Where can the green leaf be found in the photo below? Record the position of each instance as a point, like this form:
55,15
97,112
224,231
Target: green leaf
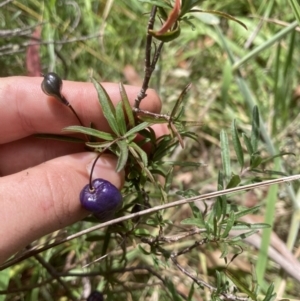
220,181
243,235
255,129
90,132
123,155
248,144
296,9
183,163
142,154
221,14
168,180
255,161
127,106
246,226
171,288
179,102
227,79
270,295
225,154
229,224
187,5
193,222
137,128
168,36
107,106
276,156
191,292
143,250
246,212
120,118
241,286
224,249
234,181
141,232
237,144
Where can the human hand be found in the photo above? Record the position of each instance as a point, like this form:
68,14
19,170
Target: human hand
41,179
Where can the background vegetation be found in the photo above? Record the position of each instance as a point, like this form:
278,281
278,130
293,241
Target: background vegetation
231,69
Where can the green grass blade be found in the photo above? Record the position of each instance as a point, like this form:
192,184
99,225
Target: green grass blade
296,9
277,37
225,153
227,80
265,242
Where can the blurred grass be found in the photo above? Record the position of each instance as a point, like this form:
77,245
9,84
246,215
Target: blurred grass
230,68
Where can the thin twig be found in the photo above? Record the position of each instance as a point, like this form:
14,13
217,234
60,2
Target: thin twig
200,282
148,66
53,273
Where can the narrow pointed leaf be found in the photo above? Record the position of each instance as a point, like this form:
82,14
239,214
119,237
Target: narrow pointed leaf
246,212
255,161
255,128
220,181
137,128
248,144
120,118
234,181
90,132
243,235
123,155
142,154
241,286
107,106
227,79
180,100
276,156
219,13
230,222
127,106
225,154
237,144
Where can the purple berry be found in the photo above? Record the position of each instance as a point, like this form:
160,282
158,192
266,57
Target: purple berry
104,200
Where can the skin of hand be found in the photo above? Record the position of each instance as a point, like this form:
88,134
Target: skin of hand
41,178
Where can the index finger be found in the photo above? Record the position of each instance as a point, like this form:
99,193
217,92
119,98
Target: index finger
26,110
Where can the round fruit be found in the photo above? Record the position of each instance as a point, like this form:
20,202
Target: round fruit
103,200
52,84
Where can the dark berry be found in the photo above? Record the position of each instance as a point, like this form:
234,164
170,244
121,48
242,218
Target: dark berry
103,200
52,85
95,296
